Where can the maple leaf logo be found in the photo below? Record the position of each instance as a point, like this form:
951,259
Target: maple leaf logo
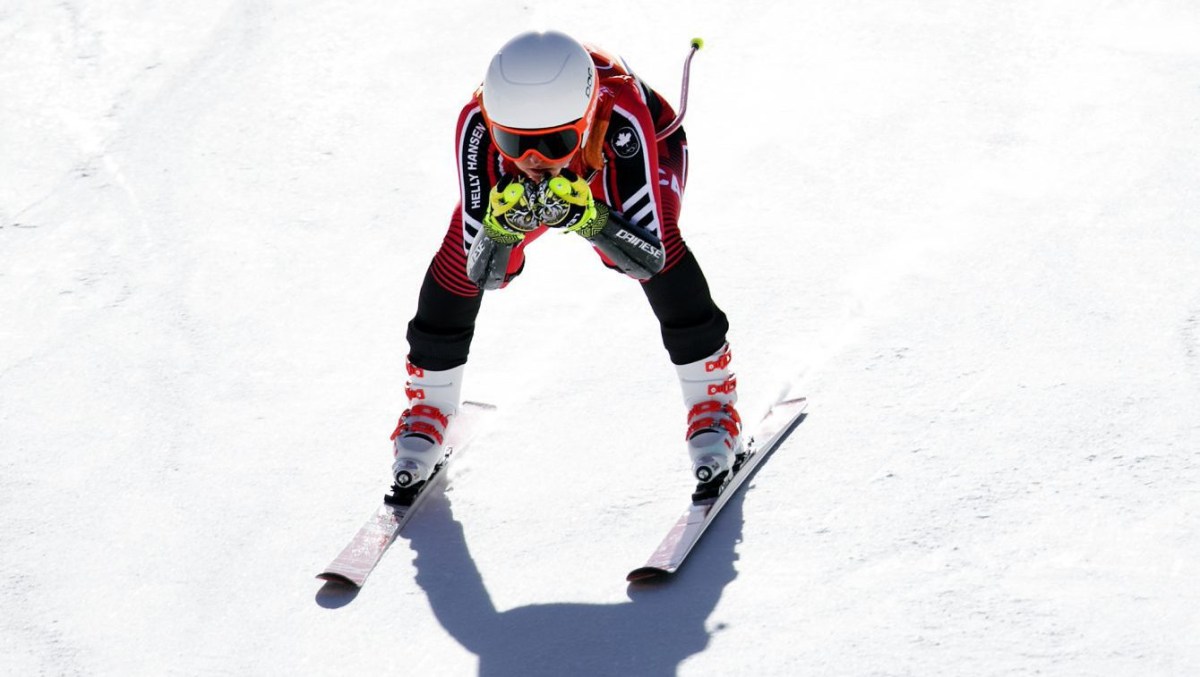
625,143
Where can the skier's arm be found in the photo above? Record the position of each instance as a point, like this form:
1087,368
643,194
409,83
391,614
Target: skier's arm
633,249
487,263
509,216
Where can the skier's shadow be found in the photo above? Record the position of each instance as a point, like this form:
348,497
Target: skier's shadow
661,625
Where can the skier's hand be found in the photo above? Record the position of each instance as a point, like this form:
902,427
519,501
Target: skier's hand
510,211
565,201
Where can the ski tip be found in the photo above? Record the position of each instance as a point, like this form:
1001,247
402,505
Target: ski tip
332,577
647,575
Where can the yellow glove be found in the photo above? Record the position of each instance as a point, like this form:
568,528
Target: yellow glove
510,211
565,201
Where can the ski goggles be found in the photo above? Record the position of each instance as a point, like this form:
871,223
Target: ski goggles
554,144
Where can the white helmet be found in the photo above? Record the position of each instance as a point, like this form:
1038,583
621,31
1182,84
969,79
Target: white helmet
539,80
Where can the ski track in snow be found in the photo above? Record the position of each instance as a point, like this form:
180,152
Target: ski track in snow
966,233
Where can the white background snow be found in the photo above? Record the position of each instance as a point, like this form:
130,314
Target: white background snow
968,232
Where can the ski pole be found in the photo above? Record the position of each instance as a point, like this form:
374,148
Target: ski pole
697,43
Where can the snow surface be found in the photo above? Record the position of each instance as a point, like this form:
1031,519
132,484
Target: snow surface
968,232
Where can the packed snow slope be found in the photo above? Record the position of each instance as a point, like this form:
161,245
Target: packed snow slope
968,232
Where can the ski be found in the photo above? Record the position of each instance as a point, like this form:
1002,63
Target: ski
359,557
778,423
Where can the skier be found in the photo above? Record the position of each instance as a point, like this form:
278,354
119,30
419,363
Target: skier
562,135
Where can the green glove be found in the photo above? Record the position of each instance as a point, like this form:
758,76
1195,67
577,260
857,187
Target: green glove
565,201
510,211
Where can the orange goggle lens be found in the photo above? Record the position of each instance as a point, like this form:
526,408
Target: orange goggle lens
552,145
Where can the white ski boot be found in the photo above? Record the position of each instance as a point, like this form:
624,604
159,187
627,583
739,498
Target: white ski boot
714,434
420,436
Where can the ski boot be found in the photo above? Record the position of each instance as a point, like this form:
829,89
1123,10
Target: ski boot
420,436
714,433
